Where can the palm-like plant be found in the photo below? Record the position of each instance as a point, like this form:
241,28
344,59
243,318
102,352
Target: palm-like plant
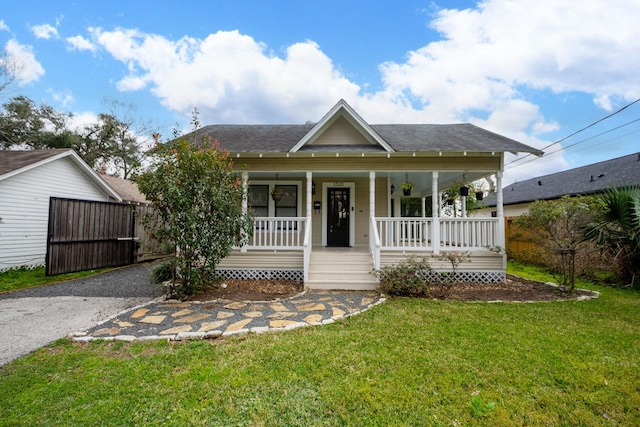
618,230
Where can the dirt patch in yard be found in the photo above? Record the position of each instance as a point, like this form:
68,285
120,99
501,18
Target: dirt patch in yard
515,289
249,290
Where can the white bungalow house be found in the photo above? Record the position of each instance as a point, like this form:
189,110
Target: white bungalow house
27,180
341,212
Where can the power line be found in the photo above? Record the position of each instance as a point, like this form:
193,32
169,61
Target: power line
583,141
578,131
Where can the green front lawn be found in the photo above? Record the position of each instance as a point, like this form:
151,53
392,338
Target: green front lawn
404,363
13,280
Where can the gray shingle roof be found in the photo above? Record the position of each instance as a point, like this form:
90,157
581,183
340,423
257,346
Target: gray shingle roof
14,160
127,189
451,137
589,179
255,138
401,137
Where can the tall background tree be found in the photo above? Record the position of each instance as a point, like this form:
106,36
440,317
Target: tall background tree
115,143
25,125
8,70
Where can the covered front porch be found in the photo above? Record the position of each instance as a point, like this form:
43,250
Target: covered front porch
349,224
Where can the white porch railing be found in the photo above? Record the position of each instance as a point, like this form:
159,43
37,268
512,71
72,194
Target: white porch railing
374,243
278,233
404,233
306,243
468,233
455,233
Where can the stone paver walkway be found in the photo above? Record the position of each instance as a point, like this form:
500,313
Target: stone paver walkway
173,320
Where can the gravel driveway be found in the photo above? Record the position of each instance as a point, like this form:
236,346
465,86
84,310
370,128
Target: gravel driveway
34,317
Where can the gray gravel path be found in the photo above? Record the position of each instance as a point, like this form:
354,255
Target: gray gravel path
35,317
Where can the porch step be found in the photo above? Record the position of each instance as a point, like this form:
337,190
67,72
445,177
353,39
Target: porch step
341,270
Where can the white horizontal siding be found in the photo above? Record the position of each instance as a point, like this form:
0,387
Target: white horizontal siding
24,209
263,259
476,261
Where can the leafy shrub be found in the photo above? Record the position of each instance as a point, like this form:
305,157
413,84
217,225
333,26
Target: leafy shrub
411,277
163,272
558,226
197,212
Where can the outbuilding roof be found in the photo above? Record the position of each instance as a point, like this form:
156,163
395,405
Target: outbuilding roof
585,180
127,189
13,162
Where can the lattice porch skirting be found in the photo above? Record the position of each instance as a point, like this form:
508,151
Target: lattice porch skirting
261,274
472,276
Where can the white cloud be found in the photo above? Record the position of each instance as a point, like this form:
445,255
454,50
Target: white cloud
604,102
26,68
44,31
486,59
62,98
229,76
80,43
79,120
487,55
3,26
489,66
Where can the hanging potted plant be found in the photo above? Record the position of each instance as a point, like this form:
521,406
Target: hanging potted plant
449,196
464,190
479,194
406,186
276,193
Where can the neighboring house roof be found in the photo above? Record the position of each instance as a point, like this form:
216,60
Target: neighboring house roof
381,138
127,189
585,180
15,162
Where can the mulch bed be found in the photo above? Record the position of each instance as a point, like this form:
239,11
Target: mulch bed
515,289
249,290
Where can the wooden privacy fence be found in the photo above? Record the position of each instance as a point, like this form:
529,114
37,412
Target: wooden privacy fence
84,235
517,242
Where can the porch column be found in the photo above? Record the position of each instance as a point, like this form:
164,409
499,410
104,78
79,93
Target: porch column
435,209
309,197
372,193
245,200
309,245
500,211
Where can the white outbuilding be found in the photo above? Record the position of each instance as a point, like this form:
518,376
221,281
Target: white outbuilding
27,180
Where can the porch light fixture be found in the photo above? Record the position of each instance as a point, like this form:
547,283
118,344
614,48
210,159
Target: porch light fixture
313,187
393,188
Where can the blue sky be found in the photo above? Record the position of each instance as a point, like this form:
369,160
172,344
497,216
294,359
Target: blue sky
533,70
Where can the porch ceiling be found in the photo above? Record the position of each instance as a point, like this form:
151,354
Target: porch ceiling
421,180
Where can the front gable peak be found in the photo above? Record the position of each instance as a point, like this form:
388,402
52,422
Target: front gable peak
341,127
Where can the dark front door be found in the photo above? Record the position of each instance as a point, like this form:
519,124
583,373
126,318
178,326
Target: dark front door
338,217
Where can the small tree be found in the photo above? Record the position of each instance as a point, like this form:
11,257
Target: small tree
558,226
197,197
